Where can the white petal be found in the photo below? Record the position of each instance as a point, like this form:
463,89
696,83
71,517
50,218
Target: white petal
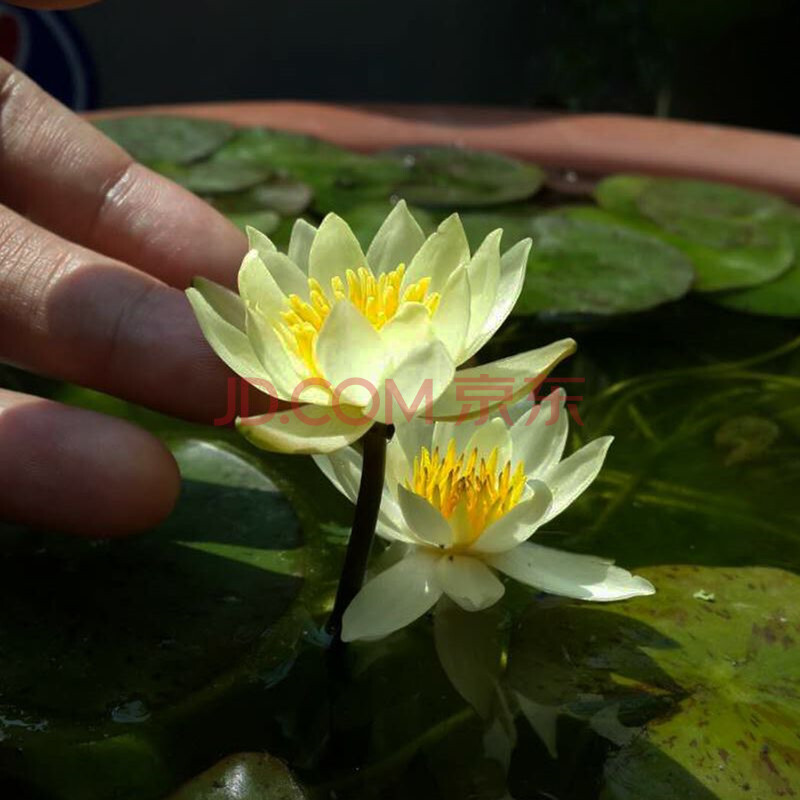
416,382
452,317
518,524
412,437
569,574
396,242
458,432
484,277
570,478
348,348
278,366
393,599
259,242
226,303
409,328
539,436
307,429
258,289
334,250
398,468
492,434
469,582
302,238
513,266
501,382
440,255
423,519
227,341
289,277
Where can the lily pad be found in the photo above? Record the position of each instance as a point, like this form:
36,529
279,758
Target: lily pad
142,637
723,669
727,232
779,297
155,138
452,176
598,267
264,221
246,776
210,177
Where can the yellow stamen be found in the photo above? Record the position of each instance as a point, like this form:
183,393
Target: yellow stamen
479,491
378,299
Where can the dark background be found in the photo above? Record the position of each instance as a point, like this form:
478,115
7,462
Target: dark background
732,61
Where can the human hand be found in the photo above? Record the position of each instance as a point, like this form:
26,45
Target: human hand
94,252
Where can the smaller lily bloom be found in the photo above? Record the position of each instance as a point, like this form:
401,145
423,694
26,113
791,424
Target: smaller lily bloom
462,502
363,338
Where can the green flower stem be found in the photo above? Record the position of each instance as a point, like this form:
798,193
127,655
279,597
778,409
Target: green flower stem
365,518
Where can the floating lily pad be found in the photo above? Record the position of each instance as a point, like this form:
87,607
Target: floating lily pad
246,776
452,176
141,636
210,177
723,668
264,221
779,297
598,267
180,140
727,232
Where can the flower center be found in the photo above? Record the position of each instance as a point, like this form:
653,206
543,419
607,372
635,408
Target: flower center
469,492
378,299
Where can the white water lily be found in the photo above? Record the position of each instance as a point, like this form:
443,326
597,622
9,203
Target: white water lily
347,332
463,501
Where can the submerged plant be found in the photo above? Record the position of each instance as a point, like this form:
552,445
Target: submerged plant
462,502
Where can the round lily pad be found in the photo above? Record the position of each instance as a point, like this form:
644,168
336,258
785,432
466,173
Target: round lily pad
452,176
727,232
180,140
211,177
595,266
779,297
264,221
706,664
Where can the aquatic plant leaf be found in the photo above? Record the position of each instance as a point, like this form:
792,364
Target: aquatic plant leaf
264,221
154,138
245,776
452,176
211,177
779,297
714,649
724,230
593,266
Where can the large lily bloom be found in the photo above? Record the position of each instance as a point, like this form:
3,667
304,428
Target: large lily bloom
462,502
361,338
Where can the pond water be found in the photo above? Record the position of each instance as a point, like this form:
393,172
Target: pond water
128,667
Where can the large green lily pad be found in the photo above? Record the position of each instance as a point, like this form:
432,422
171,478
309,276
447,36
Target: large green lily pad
715,648
210,177
112,646
155,138
779,297
590,266
724,230
451,176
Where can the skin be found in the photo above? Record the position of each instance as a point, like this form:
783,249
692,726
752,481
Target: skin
95,251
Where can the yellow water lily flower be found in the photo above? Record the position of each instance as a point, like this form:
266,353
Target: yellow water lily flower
368,337
462,502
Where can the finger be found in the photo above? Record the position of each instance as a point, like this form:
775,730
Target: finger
72,314
73,470
65,175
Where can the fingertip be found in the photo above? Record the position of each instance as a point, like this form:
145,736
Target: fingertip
72,470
